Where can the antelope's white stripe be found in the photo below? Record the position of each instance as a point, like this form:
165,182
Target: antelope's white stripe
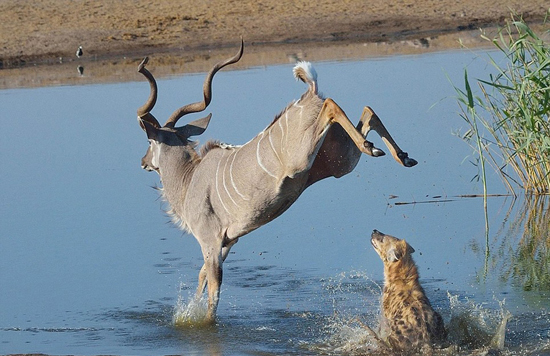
286,137
225,186
231,176
259,159
273,146
218,190
282,133
299,106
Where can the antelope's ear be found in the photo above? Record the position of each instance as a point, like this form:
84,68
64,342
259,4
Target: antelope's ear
150,119
149,127
195,128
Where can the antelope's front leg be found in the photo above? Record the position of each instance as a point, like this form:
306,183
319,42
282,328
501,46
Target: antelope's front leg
213,265
371,121
202,283
202,274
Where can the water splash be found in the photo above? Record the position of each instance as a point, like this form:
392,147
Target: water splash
355,301
353,293
474,327
349,337
353,327
189,311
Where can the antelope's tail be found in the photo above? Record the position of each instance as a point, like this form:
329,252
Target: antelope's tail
307,74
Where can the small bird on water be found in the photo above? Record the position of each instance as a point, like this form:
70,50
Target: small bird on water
79,51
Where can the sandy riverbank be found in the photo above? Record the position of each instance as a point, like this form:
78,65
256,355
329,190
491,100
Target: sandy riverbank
38,32
42,30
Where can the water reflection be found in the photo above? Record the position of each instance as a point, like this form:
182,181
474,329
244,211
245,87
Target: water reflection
122,69
521,247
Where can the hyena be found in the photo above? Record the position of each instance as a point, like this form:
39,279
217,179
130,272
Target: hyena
409,321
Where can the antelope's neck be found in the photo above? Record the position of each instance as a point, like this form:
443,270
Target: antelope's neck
175,178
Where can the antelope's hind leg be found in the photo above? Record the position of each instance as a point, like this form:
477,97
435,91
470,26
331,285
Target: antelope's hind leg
331,113
371,121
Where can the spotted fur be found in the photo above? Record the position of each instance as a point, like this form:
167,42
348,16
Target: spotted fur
409,321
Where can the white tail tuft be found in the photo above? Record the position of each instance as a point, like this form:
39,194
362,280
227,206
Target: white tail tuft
307,74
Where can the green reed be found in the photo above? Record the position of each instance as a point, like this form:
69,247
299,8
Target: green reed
512,110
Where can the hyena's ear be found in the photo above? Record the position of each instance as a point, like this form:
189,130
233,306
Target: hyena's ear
394,254
401,249
409,248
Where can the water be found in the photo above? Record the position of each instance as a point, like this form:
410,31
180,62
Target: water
90,265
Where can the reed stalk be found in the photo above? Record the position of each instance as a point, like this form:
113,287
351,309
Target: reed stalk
513,111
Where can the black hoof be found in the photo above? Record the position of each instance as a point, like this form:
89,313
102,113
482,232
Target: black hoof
409,162
406,160
376,152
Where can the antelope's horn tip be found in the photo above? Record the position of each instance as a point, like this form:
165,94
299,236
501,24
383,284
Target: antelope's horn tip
143,63
241,49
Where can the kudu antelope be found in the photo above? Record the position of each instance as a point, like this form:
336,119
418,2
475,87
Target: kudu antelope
224,192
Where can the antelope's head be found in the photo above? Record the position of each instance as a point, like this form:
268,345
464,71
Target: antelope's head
169,142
